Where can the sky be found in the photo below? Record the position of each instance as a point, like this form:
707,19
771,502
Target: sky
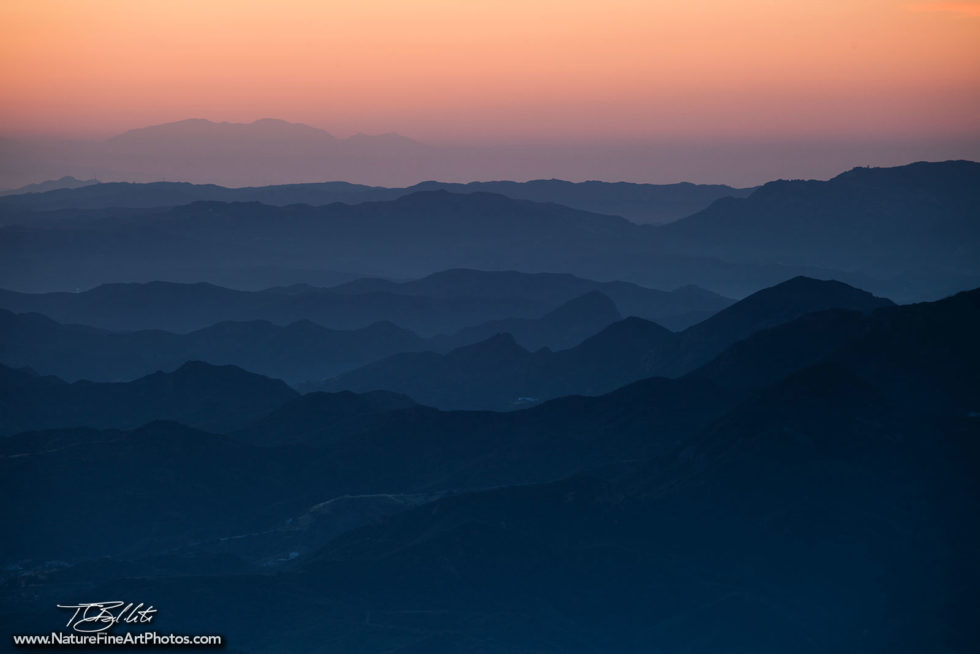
501,71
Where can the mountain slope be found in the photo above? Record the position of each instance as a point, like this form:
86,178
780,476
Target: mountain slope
66,182
410,236
211,397
562,328
189,307
641,203
819,502
916,222
295,352
923,353
675,309
767,308
829,509
498,374
440,303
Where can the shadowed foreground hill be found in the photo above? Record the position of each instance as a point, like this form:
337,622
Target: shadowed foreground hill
818,517
828,510
343,444
321,446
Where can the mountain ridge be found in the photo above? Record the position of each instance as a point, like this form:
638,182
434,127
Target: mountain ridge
500,375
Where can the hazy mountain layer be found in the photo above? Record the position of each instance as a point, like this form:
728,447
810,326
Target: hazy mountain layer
442,303
499,374
641,203
297,352
907,232
211,397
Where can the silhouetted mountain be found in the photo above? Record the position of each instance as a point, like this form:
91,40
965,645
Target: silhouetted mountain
441,303
408,237
187,307
152,195
922,353
220,398
200,134
565,327
674,309
767,308
831,495
828,510
328,447
499,374
818,497
66,182
908,231
642,203
916,224
295,352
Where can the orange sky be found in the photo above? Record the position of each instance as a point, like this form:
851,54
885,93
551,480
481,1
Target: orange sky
477,70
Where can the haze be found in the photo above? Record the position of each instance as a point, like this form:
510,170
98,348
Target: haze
881,81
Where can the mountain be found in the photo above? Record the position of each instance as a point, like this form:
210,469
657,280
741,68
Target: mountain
236,154
189,307
408,237
821,494
306,451
913,223
198,148
562,328
201,134
271,151
820,497
909,232
499,374
153,195
210,397
295,352
66,182
922,353
675,309
767,308
440,303
641,203
827,510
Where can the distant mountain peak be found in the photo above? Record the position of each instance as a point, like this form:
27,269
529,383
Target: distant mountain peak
263,129
66,182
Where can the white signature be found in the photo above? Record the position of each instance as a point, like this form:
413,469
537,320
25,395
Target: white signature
93,617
